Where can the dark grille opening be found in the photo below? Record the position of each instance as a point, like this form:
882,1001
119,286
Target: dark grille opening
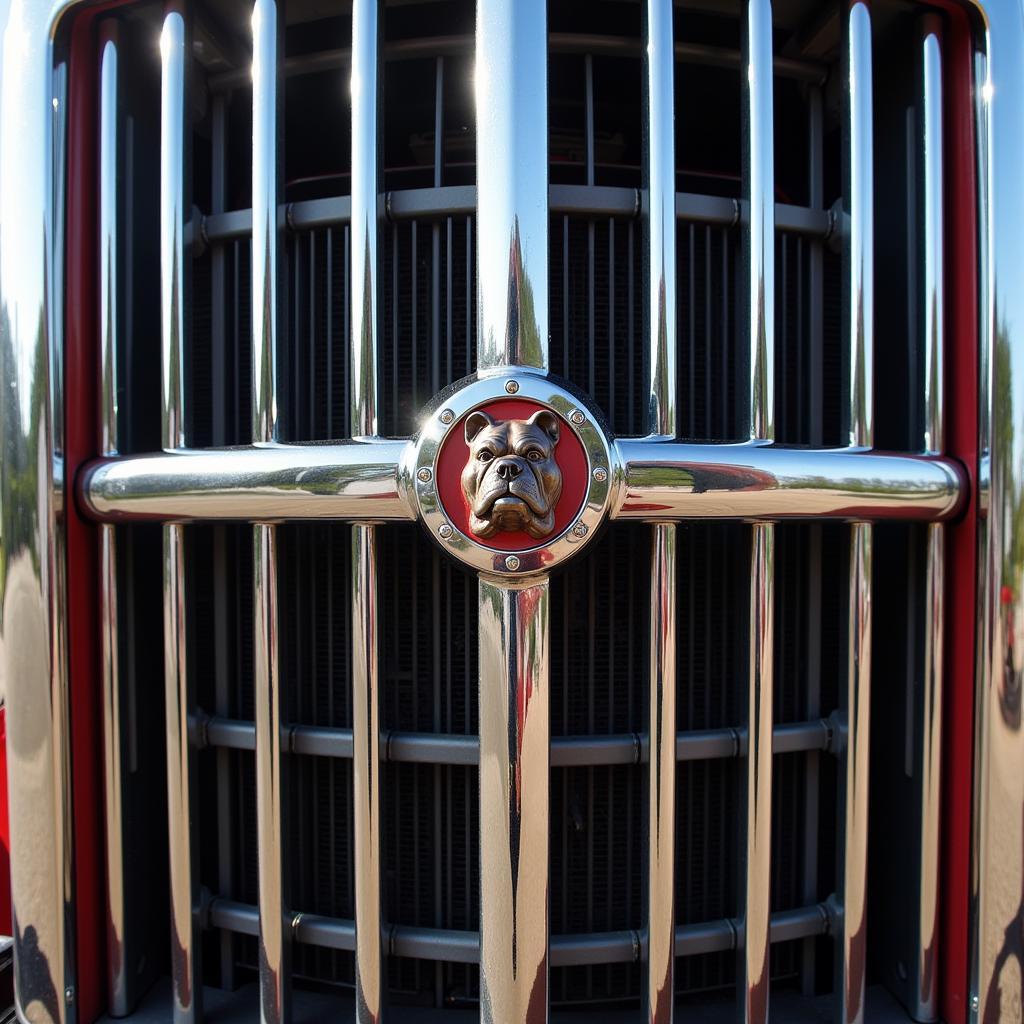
601,604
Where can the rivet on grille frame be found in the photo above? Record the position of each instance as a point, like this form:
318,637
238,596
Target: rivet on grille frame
511,386
424,475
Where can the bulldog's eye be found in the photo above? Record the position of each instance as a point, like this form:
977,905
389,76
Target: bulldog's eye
534,456
485,456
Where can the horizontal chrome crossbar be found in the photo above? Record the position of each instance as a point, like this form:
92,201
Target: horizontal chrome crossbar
352,480
566,751
455,946
363,481
668,480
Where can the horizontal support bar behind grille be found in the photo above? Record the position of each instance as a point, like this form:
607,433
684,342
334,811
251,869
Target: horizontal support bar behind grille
580,200
558,42
566,950
566,751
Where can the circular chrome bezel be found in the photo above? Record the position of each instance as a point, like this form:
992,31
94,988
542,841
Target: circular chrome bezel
473,393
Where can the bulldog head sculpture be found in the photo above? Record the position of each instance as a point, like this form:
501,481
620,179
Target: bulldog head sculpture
512,481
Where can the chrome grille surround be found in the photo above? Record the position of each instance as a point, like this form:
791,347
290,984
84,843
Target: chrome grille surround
249,485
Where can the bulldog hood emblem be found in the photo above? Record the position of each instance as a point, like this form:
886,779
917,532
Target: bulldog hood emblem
512,481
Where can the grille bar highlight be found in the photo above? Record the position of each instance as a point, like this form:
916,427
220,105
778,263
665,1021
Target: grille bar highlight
858,334
181,769
925,970
272,886
759,241
364,356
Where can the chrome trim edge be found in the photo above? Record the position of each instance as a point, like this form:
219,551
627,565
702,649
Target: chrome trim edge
659,203
186,984
275,932
370,968
661,903
118,984
512,184
926,968
514,784
674,480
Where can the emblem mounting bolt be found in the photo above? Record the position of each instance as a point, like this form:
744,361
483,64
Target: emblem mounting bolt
600,474
445,531
512,563
447,416
511,386
577,418
579,530
424,475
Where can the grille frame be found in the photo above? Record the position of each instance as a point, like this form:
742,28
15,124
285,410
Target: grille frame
55,597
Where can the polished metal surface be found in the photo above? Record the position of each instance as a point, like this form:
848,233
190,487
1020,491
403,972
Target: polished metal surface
925,972
275,934
693,481
366,768
351,480
661,903
33,119
514,753
512,183
181,797
265,221
172,227
370,976
365,216
275,926
759,236
660,207
858,327
756,914
182,804
759,255
997,977
110,279
855,703
858,212
422,469
858,338
932,262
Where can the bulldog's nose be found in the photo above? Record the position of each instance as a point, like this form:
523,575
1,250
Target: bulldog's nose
508,469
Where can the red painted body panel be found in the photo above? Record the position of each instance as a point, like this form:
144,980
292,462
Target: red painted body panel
961,385
80,410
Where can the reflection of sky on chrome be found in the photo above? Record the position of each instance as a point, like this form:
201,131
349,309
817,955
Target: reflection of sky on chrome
23,100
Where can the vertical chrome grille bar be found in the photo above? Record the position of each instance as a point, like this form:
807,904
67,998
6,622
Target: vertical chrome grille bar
926,968
512,329
275,932
660,194
858,329
662,779
181,796
512,174
759,188
365,657
660,239
110,271
514,757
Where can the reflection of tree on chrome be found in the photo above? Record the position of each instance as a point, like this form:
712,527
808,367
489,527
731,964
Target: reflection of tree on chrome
1010,690
1012,949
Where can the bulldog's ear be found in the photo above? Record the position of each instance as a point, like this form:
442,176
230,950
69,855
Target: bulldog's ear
475,422
548,422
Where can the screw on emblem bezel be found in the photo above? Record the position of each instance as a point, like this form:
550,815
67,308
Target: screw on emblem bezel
474,393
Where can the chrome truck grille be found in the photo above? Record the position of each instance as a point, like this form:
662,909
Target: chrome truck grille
409,770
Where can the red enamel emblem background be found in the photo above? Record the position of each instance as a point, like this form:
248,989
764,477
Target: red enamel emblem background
454,454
